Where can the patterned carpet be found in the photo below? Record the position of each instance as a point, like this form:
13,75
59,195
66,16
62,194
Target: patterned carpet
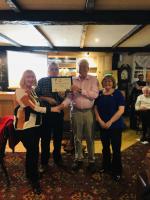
63,184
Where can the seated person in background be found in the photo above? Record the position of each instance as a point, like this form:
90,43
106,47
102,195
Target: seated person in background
143,105
27,120
136,91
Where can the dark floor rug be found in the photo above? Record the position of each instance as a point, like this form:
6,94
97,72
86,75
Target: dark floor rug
63,184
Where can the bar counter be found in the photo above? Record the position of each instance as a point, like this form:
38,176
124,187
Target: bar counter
7,103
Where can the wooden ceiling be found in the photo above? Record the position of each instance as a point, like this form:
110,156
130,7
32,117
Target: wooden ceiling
71,25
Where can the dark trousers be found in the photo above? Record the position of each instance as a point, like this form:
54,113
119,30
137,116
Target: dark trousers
30,139
52,123
145,118
133,118
113,138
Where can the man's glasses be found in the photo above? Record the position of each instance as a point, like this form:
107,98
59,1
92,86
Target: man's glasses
54,69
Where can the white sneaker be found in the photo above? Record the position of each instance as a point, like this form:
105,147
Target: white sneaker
145,142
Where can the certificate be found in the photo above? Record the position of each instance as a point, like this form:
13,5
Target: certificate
61,84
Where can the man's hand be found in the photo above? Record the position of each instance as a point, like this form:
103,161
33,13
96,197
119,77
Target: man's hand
62,94
50,100
75,88
143,108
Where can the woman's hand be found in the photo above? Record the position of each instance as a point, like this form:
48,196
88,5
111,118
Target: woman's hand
102,124
108,124
61,106
55,109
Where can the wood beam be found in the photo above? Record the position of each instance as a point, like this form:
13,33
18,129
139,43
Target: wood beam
82,41
135,30
10,40
17,8
89,5
44,35
148,45
77,49
13,5
76,17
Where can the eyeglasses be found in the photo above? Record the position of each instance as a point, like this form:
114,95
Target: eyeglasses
54,69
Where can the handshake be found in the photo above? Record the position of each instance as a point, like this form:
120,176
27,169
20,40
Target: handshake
57,108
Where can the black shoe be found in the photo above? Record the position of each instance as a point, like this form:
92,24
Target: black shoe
116,178
103,170
148,139
59,162
142,139
77,165
91,167
36,188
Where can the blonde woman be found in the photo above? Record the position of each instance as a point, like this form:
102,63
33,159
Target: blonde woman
27,122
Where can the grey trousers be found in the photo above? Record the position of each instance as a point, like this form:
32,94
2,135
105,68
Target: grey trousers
82,124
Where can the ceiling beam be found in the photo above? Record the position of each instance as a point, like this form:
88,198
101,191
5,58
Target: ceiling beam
135,30
83,35
44,35
77,49
75,17
10,40
148,45
13,5
89,5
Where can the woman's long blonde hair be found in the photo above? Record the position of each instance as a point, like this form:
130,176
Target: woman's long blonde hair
25,73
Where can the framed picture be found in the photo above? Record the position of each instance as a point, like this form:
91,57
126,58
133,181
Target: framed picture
61,83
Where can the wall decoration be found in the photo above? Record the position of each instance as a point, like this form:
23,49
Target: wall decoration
3,71
141,64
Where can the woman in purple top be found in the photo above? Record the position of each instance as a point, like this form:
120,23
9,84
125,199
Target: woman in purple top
109,107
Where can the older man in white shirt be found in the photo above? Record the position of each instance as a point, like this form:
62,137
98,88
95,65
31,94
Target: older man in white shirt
143,105
84,92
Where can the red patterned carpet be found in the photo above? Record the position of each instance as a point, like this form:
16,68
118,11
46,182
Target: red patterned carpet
63,184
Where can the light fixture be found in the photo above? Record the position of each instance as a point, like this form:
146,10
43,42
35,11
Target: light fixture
96,40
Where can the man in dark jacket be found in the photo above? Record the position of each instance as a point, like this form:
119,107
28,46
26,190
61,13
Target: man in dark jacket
52,122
